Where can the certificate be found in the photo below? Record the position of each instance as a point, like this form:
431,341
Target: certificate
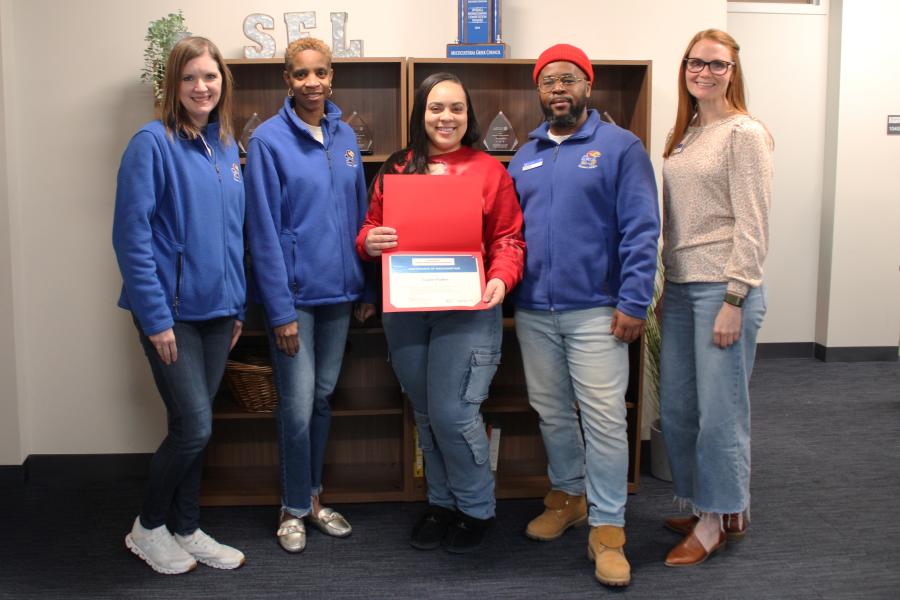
436,281
437,263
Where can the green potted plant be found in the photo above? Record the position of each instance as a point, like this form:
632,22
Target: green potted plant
659,460
162,34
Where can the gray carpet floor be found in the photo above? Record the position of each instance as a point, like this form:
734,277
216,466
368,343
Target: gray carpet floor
826,524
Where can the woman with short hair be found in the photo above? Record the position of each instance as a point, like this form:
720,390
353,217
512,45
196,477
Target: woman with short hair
306,199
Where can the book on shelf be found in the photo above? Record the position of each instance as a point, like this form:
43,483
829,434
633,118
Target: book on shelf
418,459
493,433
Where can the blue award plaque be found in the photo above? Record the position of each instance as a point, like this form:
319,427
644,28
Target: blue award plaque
479,31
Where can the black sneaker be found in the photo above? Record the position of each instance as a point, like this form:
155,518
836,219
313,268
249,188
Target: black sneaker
466,534
431,527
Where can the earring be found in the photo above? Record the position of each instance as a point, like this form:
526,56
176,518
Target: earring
290,92
330,92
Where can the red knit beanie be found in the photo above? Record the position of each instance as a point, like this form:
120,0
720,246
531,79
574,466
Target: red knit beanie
565,52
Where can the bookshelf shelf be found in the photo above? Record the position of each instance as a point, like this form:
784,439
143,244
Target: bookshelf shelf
371,452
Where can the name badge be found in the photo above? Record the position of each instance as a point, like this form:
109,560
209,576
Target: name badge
534,164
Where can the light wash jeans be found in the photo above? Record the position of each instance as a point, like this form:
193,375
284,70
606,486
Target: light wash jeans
305,384
445,362
704,398
571,360
187,387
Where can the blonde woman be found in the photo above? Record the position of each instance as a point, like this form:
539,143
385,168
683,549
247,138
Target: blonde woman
717,180
178,236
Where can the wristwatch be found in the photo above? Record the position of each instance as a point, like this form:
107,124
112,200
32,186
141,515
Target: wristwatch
734,299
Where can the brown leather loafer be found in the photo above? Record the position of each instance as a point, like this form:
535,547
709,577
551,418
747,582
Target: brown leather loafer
735,527
690,551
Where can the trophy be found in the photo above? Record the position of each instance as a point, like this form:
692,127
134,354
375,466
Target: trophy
500,136
363,133
479,31
247,132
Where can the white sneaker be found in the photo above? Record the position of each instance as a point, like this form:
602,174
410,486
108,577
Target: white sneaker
210,552
159,550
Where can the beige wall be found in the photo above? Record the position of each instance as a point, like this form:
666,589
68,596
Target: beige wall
72,376
74,99
859,296
10,442
785,60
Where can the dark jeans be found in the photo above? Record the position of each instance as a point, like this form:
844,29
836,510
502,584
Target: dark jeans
306,382
187,387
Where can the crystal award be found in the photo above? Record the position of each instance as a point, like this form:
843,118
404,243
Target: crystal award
363,133
500,135
247,132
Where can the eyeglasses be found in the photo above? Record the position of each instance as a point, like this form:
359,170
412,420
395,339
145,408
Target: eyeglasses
547,84
716,67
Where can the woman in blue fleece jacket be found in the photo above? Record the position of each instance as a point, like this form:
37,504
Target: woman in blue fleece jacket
178,236
306,199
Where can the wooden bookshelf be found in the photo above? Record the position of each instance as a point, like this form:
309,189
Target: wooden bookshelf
371,451
373,87
621,88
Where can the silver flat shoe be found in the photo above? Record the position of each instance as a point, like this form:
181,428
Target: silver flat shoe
330,522
291,532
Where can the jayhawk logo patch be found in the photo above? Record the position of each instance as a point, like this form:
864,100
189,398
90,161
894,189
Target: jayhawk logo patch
350,158
589,160
236,172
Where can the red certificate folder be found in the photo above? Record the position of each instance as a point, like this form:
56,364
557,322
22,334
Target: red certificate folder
438,223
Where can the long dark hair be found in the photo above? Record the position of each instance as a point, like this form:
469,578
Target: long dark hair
414,157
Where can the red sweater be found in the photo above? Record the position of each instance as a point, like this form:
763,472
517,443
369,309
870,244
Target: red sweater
501,238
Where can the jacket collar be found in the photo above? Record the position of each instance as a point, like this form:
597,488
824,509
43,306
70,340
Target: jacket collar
586,130
330,119
211,131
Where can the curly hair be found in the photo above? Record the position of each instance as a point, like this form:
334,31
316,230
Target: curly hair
306,44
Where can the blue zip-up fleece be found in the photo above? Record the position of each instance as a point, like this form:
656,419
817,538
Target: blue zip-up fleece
178,228
591,220
305,205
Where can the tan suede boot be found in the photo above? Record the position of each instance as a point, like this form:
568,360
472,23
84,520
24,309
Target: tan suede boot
561,512
606,548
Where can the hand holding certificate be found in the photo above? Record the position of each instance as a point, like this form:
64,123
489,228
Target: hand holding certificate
437,263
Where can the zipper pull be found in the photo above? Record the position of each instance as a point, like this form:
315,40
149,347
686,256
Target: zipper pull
179,269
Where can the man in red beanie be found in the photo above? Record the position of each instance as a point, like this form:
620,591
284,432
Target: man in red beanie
588,196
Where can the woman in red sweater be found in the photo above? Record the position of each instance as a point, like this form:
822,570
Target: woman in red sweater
445,360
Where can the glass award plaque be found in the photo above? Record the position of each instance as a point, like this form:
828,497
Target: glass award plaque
247,132
500,136
363,134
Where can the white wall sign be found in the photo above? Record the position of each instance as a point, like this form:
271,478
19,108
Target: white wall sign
893,125
298,25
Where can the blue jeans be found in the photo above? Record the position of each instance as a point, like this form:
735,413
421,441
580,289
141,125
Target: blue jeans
445,362
572,361
187,387
305,384
704,397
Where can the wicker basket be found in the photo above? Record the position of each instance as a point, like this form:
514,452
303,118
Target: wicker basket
251,385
